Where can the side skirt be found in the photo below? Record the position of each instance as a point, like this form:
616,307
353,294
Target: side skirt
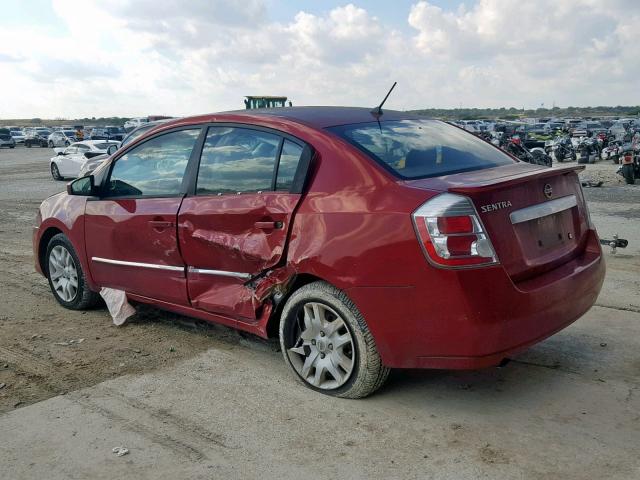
259,327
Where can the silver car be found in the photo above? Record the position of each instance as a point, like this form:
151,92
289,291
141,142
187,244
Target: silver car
61,138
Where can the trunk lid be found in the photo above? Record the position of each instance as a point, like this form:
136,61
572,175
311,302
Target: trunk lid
535,216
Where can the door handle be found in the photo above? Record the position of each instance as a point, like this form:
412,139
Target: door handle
268,225
161,224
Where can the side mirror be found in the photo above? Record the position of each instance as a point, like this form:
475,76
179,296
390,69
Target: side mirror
112,149
83,186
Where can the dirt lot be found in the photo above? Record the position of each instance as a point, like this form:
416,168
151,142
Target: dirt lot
582,383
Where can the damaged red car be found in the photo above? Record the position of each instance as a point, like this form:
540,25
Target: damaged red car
363,241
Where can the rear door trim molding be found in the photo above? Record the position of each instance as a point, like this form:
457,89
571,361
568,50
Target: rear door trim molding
221,273
543,209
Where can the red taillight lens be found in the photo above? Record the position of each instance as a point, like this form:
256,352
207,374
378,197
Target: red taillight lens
452,234
462,224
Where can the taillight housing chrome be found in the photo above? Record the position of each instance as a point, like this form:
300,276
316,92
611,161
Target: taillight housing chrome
451,233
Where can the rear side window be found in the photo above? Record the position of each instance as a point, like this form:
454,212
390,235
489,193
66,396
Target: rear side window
237,160
289,159
422,148
154,168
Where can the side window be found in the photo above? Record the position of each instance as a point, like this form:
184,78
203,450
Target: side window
83,148
154,168
70,150
236,160
289,159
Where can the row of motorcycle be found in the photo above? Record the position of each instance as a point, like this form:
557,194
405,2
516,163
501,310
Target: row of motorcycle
623,152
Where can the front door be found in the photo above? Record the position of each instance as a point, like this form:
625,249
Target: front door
236,224
131,232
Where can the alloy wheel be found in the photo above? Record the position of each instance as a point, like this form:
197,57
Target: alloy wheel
63,273
323,353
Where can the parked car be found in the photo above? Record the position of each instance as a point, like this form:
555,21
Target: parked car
36,137
18,136
61,138
364,242
6,140
133,123
67,162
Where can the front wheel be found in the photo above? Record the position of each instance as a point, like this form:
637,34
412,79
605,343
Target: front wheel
326,342
66,278
55,173
628,174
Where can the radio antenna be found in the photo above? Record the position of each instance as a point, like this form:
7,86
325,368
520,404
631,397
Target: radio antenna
377,111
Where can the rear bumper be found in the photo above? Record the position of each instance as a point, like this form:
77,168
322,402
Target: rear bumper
470,319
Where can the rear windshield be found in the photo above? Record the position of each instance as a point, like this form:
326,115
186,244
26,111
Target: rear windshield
422,148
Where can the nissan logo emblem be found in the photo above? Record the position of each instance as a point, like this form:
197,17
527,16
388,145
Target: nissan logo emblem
548,191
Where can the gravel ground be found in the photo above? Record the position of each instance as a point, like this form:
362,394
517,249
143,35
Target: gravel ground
199,401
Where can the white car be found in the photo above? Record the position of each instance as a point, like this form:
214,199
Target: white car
61,138
18,136
135,123
69,161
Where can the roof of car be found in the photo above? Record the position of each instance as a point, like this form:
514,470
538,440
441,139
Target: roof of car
318,117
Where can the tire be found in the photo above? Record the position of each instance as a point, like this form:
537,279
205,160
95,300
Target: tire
12,146
66,143
27,144
353,369
50,144
55,172
61,262
628,174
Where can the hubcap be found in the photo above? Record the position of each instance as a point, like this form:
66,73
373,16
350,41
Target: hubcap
63,273
323,353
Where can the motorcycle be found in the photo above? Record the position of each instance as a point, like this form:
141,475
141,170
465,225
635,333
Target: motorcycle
536,156
588,150
562,149
629,167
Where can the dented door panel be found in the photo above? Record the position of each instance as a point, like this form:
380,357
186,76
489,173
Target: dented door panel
240,237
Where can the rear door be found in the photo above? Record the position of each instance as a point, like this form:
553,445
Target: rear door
131,237
235,224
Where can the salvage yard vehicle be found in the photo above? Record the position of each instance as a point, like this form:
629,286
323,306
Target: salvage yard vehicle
364,240
6,140
61,138
36,137
69,161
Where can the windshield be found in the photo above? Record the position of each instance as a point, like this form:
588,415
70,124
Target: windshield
422,148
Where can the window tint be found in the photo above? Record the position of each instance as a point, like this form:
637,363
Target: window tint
289,159
154,168
237,160
422,148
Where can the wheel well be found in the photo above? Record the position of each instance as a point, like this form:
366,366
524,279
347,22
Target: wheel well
48,234
274,320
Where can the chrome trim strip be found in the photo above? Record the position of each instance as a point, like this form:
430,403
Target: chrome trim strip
543,209
138,264
220,273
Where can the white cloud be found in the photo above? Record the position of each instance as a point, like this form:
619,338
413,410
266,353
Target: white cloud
144,57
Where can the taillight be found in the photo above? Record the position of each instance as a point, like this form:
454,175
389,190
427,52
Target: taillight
452,234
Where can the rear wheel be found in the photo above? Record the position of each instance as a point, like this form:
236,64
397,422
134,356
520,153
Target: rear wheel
327,343
628,174
66,278
50,144
55,173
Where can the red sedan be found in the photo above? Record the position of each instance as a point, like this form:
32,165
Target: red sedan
365,242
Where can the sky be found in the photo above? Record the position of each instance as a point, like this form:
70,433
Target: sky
68,59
